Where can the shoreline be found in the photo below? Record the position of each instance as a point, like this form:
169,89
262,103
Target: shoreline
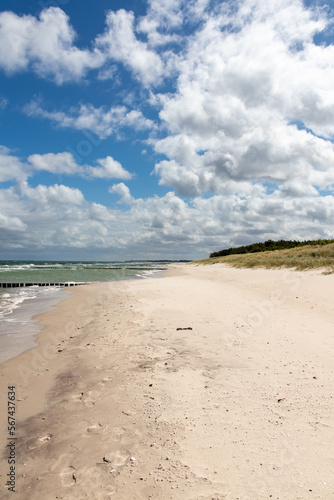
23,317
183,374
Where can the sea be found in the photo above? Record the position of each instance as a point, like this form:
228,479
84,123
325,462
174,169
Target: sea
19,304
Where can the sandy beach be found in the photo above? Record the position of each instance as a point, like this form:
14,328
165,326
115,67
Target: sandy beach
206,383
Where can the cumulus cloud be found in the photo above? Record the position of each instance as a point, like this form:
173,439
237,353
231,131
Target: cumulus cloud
160,21
160,226
45,45
11,166
244,138
163,22
56,163
108,169
119,42
103,121
9,223
168,14
277,154
123,191
101,213
48,196
253,103
14,168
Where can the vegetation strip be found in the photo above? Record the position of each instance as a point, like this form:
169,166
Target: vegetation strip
269,246
301,258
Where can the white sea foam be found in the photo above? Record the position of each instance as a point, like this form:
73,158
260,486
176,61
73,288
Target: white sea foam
63,272
19,267
9,301
19,305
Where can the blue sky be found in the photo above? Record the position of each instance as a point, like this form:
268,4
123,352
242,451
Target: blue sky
163,129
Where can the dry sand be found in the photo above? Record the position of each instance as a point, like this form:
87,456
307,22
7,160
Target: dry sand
117,402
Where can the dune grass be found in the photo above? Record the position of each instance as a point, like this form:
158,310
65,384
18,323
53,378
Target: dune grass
300,258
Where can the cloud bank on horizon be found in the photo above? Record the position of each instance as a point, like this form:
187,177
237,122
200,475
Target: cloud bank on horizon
178,129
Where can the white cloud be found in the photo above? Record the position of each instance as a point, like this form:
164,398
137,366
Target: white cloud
196,9
108,169
160,21
164,20
56,163
155,38
183,180
103,121
108,73
155,227
240,94
11,166
15,33
52,195
12,224
64,163
246,129
123,191
45,45
101,213
169,215
120,44
169,13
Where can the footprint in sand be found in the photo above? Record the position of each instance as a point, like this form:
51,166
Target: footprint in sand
78,397
45,438
32,444
117,458
68,476
88,401
95,429
86,480
209,374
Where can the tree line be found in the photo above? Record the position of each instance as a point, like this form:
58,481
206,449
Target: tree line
268,246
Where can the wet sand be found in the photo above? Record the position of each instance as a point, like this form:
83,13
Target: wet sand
209,382
18,329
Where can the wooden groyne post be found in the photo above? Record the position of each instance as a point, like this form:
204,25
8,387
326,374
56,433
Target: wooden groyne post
22,285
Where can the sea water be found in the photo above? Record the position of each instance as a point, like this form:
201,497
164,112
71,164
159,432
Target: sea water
18,305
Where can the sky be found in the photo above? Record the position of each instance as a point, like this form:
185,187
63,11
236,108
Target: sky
164,129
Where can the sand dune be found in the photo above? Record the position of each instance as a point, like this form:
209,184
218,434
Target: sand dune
207,383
